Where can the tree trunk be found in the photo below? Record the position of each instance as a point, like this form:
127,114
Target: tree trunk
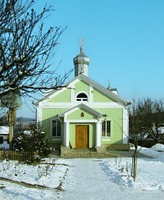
11,121
134,161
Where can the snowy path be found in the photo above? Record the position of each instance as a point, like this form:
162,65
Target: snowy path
87,180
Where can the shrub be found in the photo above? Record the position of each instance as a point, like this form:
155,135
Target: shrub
34,141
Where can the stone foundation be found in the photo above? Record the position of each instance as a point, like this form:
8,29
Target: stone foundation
97,152
118,147
64,151
100,149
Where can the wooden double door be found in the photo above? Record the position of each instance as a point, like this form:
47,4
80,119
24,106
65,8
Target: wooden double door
82,136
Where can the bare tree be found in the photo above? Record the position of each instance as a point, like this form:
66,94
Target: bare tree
148,117
134,124
26,48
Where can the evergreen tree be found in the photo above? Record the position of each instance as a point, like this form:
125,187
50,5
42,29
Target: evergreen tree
35,141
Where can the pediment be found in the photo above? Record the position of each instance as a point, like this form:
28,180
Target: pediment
81,111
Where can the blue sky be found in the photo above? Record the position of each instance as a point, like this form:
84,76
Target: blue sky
124,40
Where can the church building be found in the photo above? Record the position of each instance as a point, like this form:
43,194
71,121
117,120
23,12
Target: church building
83,114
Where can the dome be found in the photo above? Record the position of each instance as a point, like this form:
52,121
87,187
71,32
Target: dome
81,62
81,58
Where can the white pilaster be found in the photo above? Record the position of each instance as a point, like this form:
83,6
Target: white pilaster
98,134
39,115
66,134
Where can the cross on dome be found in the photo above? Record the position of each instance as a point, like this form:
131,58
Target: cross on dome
81,43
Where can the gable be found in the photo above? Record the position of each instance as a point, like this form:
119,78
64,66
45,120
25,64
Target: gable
81,86
81,114
98,96
62,96
98,92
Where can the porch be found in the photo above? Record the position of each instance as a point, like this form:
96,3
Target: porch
92,153
85,153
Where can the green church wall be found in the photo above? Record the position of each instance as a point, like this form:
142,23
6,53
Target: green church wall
92,135
81,114
100,97
72,136
81,86
64,96
115,115
48,115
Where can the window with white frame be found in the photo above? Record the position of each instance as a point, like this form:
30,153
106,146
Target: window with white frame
56,128
106,126
82,97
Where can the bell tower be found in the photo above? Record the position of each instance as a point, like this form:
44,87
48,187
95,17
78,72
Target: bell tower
81,62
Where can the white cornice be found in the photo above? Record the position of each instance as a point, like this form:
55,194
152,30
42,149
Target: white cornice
71,105
82,121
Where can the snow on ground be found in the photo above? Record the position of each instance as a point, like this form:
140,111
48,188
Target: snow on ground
91,179
4,145
4,130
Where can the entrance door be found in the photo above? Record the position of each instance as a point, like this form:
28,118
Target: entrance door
82,139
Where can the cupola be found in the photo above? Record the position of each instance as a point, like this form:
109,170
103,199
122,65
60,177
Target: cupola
81,62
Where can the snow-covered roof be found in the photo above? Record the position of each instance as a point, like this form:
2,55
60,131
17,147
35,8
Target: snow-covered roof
4,130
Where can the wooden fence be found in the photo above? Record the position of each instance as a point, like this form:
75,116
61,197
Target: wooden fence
14,155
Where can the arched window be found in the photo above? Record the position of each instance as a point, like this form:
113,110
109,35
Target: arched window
81,97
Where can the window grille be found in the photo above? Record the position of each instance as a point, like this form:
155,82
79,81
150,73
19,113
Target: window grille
106,126
56,128
81,97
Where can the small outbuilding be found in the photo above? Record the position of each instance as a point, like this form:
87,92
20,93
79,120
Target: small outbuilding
4,137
